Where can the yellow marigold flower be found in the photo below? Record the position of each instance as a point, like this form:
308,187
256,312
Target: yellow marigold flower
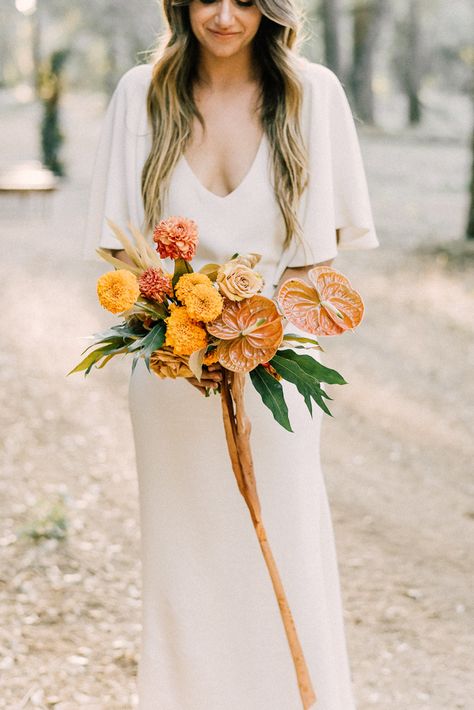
204,303
187,282
117,290
183,334
210,358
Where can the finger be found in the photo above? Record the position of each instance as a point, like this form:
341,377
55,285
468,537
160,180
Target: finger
214,366
211,377
202,386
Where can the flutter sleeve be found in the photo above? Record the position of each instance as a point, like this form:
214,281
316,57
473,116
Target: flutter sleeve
352,209
335,211
115,188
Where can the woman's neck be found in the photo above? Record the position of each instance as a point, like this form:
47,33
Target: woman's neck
226,73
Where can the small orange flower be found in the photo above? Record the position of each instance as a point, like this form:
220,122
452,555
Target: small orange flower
176,237
183,334
204,303
117,290
210,358
155,285
197,293
187,282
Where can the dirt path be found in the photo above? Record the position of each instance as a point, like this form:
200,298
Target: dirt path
397,454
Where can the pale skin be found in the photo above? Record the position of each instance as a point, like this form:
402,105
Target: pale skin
225,93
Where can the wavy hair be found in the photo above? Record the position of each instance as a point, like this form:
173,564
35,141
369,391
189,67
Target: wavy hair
171,107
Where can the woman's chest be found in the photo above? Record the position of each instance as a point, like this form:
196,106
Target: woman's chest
248,219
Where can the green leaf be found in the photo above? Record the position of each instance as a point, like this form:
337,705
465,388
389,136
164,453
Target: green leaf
317,395
307,366
117,342
272,396
157,310
93,357
180,267
119,334
154,340
307,374
150,342
136,358
126,330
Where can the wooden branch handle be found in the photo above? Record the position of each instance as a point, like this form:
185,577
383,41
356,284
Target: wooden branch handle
237,430
307,694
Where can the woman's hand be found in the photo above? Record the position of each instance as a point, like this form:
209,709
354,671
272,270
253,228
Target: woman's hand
210,379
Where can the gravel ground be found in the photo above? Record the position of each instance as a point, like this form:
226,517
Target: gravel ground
397,454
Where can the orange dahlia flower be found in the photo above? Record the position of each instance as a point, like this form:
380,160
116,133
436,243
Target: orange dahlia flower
117,290
250,331
176,237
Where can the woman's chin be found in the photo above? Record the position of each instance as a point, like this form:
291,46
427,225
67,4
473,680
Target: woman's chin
220,46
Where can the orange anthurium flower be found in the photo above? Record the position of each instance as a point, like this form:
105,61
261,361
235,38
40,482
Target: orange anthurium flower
330,308
250,331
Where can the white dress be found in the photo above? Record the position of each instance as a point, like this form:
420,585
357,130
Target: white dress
213,638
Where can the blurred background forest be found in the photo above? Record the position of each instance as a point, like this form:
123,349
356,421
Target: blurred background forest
397,455
405,65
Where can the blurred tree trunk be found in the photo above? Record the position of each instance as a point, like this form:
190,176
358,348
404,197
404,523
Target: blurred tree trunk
51,89
413,66
470,217
367,20
330,15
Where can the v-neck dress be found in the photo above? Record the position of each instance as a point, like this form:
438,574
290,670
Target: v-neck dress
212,635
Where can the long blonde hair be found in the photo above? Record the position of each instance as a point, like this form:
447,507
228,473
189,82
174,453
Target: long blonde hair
171,107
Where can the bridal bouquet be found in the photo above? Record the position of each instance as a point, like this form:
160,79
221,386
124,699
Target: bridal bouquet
183,322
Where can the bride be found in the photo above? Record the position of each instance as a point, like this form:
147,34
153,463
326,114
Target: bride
231,127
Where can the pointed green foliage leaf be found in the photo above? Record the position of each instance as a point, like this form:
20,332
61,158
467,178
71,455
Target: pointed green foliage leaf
136,357
272,396
158,311
305,366
317,395
149,337
93,358
112,341
307,374
122,334
151,342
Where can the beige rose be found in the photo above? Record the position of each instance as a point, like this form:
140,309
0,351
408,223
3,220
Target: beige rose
165,363
237,281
